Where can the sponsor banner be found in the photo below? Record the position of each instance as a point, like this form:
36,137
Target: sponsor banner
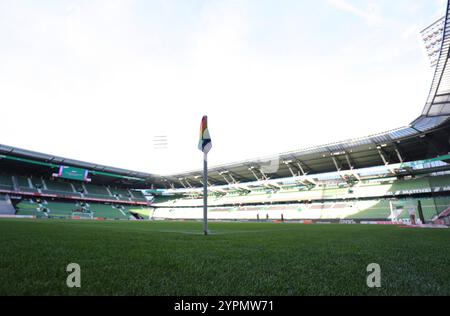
17,216
380,223
347,221
387,223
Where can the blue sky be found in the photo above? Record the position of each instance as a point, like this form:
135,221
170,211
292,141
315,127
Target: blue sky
96,80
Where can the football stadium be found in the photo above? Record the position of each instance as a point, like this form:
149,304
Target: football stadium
306,222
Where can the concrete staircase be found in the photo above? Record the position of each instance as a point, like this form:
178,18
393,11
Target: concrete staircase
6,207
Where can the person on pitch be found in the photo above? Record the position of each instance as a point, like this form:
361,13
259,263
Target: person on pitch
412,215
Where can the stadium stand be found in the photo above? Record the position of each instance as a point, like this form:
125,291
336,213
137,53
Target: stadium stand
64,209
120,193
367,199
108,211
37,183
25,184
96,191
374,177
27,207
6,182
138,196
58,187
60,209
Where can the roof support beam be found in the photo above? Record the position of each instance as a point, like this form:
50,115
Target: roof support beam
182,183
223,176
199,179
347,157
303,173
380,152
300,164
263,174
352,168
188,184
336,164
402,152
254,174
232,178
288,164
399,156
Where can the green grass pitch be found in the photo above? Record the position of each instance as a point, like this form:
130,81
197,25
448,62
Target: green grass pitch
174,258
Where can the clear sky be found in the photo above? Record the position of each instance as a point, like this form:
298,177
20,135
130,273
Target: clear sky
98,80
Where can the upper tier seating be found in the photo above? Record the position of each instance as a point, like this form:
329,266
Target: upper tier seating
122,194
97,191
37,182
138,196
24,184
58,186
6,182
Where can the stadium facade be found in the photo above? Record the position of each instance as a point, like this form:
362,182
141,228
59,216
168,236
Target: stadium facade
373,178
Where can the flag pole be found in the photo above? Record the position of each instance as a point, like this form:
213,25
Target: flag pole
205,193
204,145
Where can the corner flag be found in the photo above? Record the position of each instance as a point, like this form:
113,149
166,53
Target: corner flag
205,145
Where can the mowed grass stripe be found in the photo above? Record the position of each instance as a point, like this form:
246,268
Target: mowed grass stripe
174,258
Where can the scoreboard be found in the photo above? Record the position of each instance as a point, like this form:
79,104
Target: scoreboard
72,173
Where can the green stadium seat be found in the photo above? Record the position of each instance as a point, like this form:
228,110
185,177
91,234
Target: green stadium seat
121,193
381,210
37,183
97,191
27,207
24,185
61,209
138,196
58,186
107,211
440,181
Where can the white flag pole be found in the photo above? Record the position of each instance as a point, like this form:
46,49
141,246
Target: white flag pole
205,193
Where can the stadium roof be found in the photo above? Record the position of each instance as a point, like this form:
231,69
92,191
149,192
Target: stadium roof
427,137
30,162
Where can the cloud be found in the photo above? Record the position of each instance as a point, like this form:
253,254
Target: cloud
370,15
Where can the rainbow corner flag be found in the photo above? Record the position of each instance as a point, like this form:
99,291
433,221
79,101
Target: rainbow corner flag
204,143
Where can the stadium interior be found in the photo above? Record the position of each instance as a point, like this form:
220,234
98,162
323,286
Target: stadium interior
377,177
371,181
